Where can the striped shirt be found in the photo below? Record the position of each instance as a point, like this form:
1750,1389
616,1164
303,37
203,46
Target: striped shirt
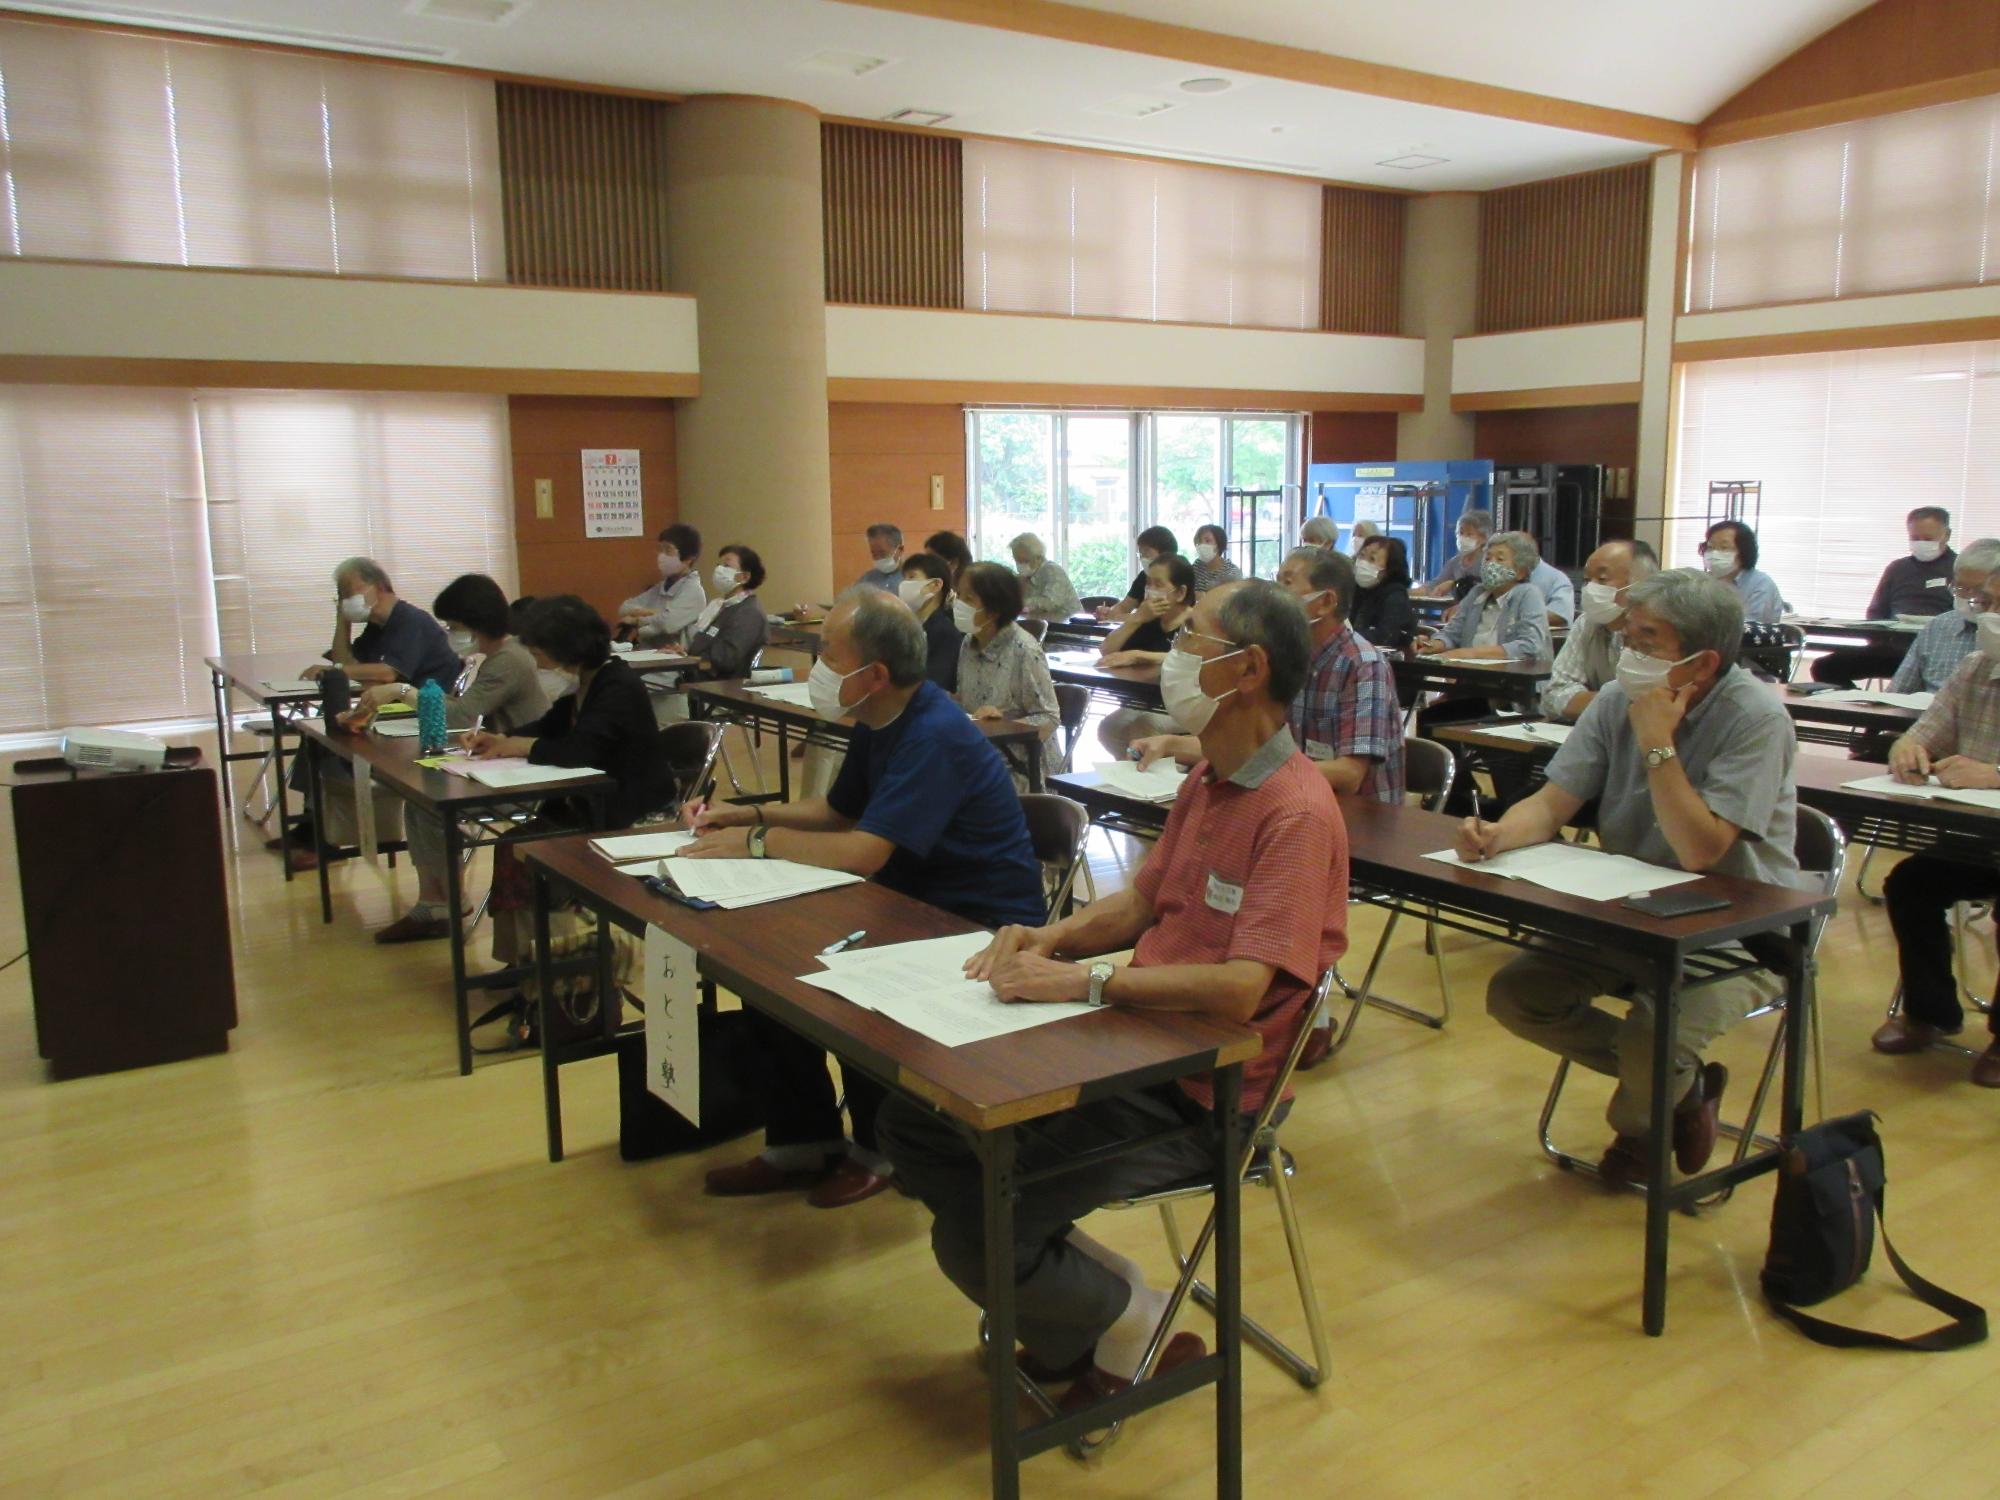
1936,653
1254,867
1965,718
1348,707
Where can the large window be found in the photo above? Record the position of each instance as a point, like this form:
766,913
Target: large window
1097,236
1844,445
143,530
1087,482
1888,204
178,152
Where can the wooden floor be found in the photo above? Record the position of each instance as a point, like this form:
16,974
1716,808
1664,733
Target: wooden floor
326,1265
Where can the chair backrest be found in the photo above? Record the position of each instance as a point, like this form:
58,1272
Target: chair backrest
470,672
1096,601
1072,704
1428,771
1057,828
1821,849
687,752
1262,1136
1773,650
1039,629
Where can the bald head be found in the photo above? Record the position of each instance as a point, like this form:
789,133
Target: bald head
871,626
1621,563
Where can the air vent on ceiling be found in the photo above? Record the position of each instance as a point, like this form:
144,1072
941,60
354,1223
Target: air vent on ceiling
477,12
295,36
846,64
916,117
1413,161
1131,107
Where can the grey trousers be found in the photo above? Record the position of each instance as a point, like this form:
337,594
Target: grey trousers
1064,1300
1551,1000
343,829
424,833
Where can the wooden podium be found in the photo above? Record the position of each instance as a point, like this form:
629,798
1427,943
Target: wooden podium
126,913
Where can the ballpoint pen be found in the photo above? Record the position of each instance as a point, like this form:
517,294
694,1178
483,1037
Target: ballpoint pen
844,944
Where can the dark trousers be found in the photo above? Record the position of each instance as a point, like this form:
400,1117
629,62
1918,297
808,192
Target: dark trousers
1920,893
1852,665
1064,1299
800,1108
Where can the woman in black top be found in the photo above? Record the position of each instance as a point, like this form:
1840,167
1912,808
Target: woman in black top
926,588
1168,599
1154,543
1383,613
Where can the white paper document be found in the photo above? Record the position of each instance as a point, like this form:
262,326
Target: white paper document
1590,874
505,771
733,883
1863,695
798,694
396,729
1929,791
1161,782
290,689
1529,734
631,846
645,661
923,986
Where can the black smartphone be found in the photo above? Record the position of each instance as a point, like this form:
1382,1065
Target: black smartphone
1675,901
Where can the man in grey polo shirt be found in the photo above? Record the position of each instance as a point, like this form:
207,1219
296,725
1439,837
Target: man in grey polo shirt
1589,658
1691,760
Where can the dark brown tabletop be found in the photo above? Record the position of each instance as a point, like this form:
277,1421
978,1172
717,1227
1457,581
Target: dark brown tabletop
1000,1081
1139,686
249,673
393,763
1480,734
735,693
1811,708
1950,830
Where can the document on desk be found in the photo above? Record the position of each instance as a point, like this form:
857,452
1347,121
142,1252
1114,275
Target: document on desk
632,846
508,771
654,661
1928,791
1590,874
1918,701
1160,782
733,883
1529,734
397,729
923,986
798,694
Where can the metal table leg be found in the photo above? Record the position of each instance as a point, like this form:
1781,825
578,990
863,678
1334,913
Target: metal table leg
996,1153
224,741
1229,1282
1801,1022
545,983
278,791
784,761
318,790
1036,781
454,887
1659,1145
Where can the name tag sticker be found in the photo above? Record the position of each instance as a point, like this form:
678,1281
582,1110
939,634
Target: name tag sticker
1222,896
1318,750
1936,583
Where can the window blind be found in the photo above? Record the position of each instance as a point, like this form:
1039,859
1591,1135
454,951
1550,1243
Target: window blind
130,148
1088,235
1894,203
1845,445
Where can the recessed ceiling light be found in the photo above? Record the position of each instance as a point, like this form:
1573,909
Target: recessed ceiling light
917,117
1414,161
849,64
479,12
1132,107
1205,85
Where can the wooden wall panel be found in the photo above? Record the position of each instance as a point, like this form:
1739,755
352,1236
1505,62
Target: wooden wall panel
1350,437
895,230
1570,250
1361,260
549,434
582,195
883,459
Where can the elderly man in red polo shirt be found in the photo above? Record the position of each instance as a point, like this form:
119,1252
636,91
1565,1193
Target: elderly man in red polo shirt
1236,912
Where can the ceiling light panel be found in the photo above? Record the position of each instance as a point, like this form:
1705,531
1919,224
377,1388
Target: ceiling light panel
472,12
843,64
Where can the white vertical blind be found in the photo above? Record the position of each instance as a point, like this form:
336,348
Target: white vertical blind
143,530
1090,235
119,147
1894,203
104,597
1845,445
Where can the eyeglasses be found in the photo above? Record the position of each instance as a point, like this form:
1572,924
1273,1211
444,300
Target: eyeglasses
1188,630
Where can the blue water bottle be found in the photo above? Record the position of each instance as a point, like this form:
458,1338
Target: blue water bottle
430,718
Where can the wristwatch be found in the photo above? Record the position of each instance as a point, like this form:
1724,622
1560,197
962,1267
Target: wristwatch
756,841
1659,755
1099,973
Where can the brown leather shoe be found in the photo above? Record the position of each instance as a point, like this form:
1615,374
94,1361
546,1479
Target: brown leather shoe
1623,1162
1096,1383
1986,1067
1319,1046
1899,1036
1698,1121
848,1182
410,928
748,1179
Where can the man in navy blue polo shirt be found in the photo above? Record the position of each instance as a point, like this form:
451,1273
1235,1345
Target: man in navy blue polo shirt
398,642
924,804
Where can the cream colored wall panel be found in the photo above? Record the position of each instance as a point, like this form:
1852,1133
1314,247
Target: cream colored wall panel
1893,310
1580,354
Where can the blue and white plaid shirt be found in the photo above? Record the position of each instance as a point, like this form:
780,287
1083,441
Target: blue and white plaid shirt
1348,707
1936,653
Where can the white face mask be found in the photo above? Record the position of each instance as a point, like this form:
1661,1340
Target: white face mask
354,608
1025,570
1970,608
554,683
1180,688
1638,673
964,616
1366,573
1989,635
1147,559
1157,596
671,566
1720,561
1470,543
725,579
462,643
823,683
889,564
1205,551
914,591
1927,552
1600,604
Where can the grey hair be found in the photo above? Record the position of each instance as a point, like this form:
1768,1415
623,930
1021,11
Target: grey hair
367,570
1319,532
1480,521
1330,571
1982,556
1257,612
883,629
1705,613
1523,548
893,535
1027,543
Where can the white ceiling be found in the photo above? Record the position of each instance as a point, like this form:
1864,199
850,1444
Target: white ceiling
1647,55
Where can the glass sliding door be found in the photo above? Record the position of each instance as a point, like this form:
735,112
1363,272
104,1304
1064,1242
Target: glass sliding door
1096,545
1014,484
1260,458
1187,473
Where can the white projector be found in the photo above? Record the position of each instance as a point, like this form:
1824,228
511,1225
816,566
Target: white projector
113,750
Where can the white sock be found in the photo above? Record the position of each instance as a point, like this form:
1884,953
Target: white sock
874,1161
1124,1342
1118,1265
425,911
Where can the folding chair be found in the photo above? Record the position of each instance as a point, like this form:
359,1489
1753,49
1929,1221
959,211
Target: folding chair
1096,601
1038,629
1822,854
1057,828
1428,773
1264,1163
1072,708
751,741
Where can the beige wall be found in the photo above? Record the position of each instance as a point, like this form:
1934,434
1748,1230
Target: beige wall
1656,390
1440,303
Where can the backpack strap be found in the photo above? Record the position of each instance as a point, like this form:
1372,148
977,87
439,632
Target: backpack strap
1967,1326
